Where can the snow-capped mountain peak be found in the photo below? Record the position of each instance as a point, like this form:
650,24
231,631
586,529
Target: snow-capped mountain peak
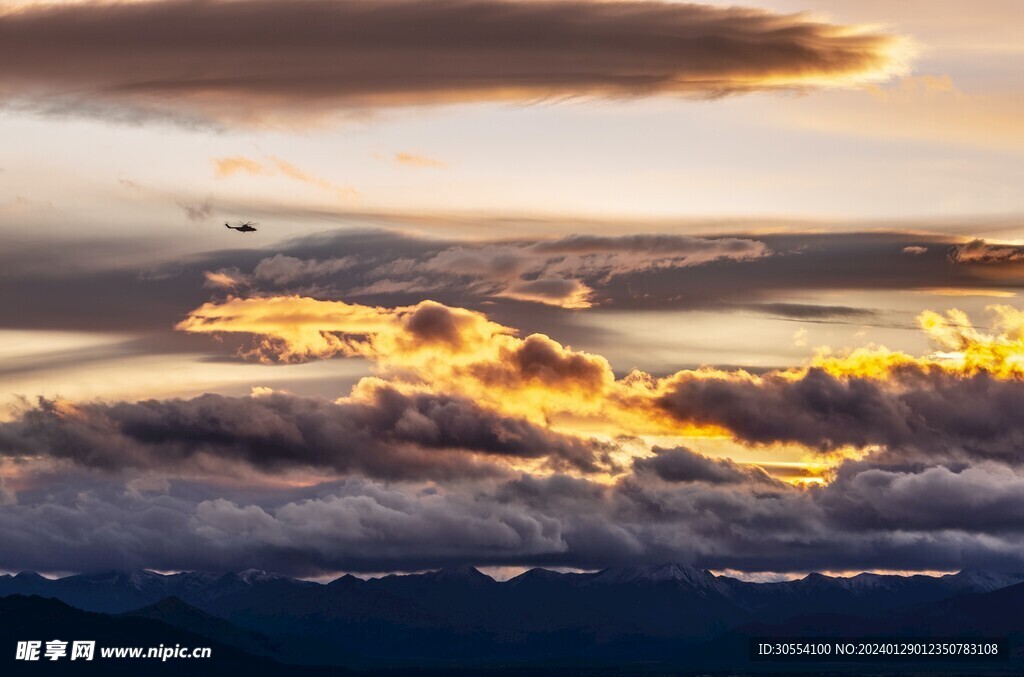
670,571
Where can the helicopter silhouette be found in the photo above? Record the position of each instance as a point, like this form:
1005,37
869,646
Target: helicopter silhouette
243,226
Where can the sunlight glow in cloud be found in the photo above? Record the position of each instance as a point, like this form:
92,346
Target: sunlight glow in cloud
430,347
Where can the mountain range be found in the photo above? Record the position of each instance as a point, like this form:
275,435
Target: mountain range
670,614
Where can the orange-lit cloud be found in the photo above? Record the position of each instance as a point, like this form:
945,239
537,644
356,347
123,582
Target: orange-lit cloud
959,291
275,166
466,422
857,400
220,279
565,293
427,346
421,161
961,348
229,166
294,329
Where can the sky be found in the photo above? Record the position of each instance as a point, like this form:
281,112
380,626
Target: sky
563,283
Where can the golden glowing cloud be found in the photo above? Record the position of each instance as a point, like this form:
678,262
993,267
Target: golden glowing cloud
430,347
298,329
962,348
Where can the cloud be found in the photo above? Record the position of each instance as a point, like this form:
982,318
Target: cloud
7,497
419,161
925,108
222,279
456,452
561,272
296,329
551,291
873,516
926,498
430,346
251,61
956,403
980,251
284,270
683,465
915,250
376,432
229,166
197,212
275,166
808,311
75,292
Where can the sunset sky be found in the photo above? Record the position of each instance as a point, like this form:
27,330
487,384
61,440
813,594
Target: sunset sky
536,283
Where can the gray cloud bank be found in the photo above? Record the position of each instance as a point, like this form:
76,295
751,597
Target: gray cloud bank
427,482
385,434
919,411
872,516
211,59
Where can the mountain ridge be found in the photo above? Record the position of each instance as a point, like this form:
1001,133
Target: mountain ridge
661,613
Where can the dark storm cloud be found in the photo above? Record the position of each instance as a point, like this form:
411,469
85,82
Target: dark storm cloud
248,59
986,498
357,524
920,411
683,465
382,434
873,516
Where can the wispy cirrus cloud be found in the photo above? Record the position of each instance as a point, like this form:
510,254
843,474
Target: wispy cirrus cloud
249,61
274,166
418,161
560,272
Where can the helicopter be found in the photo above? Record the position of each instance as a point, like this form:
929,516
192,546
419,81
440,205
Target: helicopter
243,226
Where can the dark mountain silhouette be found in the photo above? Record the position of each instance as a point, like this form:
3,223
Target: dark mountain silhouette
119,591
668,614
36,618
175,612
992,613
986,614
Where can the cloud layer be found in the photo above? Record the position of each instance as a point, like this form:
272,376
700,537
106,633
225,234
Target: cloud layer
473,442
377,432
247,59
769,273
959,402
870,517
457,452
